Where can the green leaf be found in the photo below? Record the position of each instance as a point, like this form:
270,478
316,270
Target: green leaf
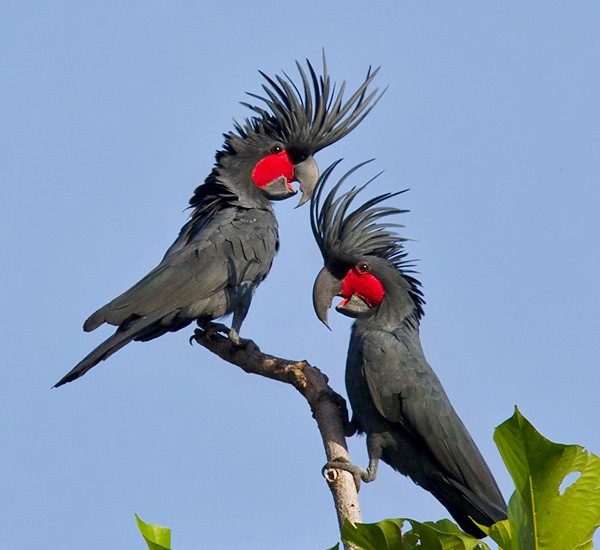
156,537
336,547
444,535
539,516
500,533
387,535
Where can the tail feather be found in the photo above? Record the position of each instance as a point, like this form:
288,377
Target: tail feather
111,345
465,506
481,502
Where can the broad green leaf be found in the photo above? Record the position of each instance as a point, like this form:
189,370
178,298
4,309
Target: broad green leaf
156,537
540,517
387,535
444,535
500,533
336,547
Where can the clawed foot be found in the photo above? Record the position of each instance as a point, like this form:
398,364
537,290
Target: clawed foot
342,464
211,328
246,343
208,329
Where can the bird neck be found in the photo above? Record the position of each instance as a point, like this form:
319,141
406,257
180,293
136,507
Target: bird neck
400,305
228,185
234,173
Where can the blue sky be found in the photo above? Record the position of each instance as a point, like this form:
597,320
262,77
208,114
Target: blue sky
111,114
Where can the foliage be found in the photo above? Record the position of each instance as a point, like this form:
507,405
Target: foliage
156,537
388,535
541,515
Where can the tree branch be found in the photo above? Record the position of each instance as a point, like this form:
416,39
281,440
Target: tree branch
323,401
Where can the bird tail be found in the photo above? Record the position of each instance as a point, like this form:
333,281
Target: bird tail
465,506
111,345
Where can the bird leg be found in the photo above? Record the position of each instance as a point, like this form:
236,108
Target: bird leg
357,472
239,314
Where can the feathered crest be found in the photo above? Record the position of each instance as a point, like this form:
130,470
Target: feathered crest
344,236
313,117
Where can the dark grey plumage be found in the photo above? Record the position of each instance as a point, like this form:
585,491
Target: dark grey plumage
396,397
227,247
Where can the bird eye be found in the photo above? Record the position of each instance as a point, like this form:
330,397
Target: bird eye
276,149
362,267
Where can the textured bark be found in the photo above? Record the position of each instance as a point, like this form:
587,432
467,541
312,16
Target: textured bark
323,401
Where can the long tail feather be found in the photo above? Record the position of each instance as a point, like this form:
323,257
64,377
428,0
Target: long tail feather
111,345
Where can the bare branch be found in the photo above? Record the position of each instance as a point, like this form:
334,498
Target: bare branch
323,402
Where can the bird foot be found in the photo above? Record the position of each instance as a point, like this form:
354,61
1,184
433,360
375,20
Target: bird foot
211,328
208,329
249,345
343,464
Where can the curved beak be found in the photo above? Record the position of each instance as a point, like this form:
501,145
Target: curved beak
353,307
307,175
279,189
326,287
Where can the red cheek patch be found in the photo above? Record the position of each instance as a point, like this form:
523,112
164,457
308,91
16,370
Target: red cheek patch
365,285
272,167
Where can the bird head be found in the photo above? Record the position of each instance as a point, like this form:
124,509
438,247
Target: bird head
272,166
365,260
292,122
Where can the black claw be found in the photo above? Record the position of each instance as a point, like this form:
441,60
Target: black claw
209,328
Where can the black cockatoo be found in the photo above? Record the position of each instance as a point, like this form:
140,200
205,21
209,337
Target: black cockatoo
397,400
227,247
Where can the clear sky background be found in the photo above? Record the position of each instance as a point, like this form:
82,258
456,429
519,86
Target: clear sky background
111,113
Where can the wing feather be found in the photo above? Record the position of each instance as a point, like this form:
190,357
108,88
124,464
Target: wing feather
406,390
224,252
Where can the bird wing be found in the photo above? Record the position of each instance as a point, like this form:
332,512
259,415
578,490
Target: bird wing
233,246
405,390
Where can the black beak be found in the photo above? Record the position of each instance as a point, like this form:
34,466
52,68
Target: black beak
325,289
278,190
354,307
307,175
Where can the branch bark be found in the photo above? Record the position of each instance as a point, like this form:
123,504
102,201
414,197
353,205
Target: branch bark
323,402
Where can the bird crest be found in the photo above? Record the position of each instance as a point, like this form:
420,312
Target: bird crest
345,235
312,116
